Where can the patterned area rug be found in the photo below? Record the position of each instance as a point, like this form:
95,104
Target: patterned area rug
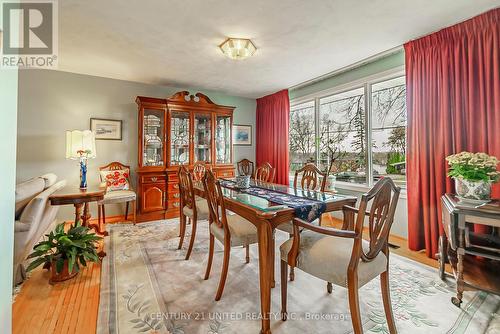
148,287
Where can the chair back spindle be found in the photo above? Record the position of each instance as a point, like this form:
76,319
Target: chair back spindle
215,200
245,167
199,169
382,199
265,173
186,189
310,177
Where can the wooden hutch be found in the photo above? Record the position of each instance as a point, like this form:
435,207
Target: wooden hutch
180,130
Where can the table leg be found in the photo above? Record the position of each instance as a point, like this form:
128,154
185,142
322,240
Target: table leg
86,217
273,260
265,236
78,210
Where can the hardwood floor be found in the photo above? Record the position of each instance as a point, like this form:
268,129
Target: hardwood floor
67,307
72,306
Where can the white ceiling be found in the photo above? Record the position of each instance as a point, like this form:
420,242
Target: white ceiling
175,43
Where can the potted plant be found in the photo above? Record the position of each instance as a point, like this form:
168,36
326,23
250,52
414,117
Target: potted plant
64,251
473,174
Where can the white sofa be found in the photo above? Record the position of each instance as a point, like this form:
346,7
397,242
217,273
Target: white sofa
34,217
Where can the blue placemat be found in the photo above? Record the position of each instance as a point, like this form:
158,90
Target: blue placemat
305,208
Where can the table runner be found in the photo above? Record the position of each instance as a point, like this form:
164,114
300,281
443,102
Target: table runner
305,208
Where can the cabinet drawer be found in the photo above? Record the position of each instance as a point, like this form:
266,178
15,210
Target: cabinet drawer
173,187
173,177
225,173
174,204
174,195
153,178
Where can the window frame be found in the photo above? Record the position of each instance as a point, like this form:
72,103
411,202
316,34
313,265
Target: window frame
365,83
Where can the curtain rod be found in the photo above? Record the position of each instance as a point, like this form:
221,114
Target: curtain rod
348,67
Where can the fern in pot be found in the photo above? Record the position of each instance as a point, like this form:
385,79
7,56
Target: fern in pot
473,174
65,251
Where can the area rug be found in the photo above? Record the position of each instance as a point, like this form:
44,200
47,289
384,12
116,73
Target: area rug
148,287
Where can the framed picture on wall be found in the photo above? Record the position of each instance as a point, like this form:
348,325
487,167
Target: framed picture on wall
106,129
242,135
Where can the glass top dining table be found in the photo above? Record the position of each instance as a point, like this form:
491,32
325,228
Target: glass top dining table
266,216
262,204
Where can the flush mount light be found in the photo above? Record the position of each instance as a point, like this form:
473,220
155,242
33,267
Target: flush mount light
238,48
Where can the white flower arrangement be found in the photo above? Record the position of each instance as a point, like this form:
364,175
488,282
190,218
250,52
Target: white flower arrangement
473,166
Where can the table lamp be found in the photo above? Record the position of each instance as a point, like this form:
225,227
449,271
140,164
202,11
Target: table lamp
80,145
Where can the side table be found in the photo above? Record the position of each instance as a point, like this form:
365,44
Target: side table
81,199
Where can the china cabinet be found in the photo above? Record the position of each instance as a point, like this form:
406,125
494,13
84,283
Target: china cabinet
180,130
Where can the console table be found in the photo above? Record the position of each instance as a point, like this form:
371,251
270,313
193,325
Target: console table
459,248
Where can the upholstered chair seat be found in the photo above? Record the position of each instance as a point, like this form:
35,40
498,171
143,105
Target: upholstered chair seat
344,257
242,231
328,257
201,209
231,230
118,196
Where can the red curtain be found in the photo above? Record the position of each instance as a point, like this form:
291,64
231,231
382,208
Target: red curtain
453,101
273,118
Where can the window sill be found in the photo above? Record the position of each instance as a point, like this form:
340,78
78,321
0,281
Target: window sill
362,188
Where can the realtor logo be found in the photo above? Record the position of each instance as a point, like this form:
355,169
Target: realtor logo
29,34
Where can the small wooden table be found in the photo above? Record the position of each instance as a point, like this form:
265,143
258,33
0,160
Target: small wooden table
80,198
469,272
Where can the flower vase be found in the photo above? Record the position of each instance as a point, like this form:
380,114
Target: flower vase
469,190
83,173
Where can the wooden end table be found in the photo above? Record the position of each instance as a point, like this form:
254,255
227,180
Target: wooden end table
469,272
81,198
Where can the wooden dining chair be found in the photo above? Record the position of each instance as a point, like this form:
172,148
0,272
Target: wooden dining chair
265,173
190,208
245,167
230,230
309,176
126,196
343,257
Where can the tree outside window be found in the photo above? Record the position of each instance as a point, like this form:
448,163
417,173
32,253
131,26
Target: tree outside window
389,130
342,140
343,135
302,135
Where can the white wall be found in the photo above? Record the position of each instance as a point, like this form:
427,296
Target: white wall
8,129
51,102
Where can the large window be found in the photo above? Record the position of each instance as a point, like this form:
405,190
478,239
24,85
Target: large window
389,129
302,135
343,136
360,136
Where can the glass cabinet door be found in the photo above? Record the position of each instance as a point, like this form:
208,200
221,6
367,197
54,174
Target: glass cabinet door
223,139
179,138
153,137
202,138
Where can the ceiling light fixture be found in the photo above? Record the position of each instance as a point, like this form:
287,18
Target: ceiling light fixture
238,48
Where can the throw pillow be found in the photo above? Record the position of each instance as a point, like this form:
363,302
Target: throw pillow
116,179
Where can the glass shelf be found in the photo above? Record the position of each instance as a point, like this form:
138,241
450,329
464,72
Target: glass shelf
152,140
202,137
179,134
223,139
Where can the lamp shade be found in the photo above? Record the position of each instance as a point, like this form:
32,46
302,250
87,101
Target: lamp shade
80,144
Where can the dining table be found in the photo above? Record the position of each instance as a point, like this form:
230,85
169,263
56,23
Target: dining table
266,215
